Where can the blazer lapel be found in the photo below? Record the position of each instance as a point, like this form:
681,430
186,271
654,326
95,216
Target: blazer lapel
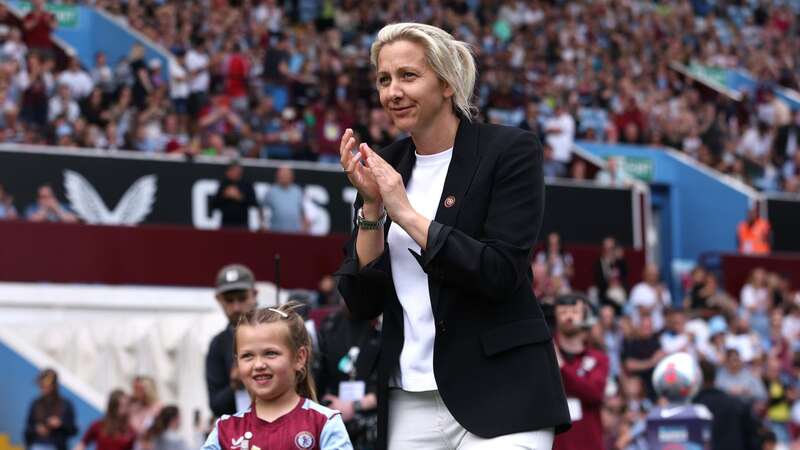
403,162
459,173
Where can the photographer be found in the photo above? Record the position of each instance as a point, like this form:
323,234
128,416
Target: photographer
346,377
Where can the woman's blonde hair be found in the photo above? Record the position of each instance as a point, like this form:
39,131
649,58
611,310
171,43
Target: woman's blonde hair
451,59
149,387
297,338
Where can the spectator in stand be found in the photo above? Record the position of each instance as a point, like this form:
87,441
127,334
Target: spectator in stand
650,296
219,118
577,169
51,417
754,234
641,352
328,132
560,133
35,96
713,349
675,337
7,209
705,298
531,120
141,85
791,173
179,86
790,326
610,272
79,82
746,341
584,370
755,299
144,405
48,209
613,336
234,197
14,48
235,71
102,75
39,25
779,399
285,137
559,262
551,167
197,64
63,106
285,203
613,175
236,294
787,139
112,432
733,425
738,380
756,142
94,109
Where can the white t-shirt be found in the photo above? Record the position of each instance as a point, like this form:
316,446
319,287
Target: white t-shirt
198,61
561,142
179,81
646,296
754,298
79,82
411,283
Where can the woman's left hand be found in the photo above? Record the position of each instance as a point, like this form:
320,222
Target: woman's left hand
390,183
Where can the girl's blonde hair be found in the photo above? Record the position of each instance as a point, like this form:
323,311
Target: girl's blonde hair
297,338
451,59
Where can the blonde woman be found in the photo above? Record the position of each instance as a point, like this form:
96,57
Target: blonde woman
445,223
144,405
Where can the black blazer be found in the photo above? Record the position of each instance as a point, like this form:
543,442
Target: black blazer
493,357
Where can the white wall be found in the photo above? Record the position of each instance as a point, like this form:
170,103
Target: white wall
106,335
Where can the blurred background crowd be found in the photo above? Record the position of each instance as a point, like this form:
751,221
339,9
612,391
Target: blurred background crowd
274,80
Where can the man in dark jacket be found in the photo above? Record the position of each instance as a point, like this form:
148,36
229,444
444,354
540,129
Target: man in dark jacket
734,427
234,198
236,294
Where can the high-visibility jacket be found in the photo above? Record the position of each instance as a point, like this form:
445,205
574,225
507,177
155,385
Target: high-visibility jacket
754,239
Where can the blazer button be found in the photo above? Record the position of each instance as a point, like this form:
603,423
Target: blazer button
441,326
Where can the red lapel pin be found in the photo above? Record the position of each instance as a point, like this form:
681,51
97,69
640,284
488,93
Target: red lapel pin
449,201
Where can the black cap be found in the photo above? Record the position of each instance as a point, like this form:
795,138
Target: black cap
235,277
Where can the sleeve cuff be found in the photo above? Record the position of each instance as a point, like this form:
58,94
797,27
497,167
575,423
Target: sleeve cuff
350,265
437,236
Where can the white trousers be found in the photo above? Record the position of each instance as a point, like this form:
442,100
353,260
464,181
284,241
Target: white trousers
421,421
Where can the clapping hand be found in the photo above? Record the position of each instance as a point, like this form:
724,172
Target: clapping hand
391,187
54,422
359,174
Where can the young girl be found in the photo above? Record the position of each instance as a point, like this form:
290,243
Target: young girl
272,351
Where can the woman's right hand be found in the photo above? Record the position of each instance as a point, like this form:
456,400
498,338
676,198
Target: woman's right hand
361,178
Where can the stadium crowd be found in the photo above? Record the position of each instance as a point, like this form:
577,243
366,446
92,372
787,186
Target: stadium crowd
272,80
